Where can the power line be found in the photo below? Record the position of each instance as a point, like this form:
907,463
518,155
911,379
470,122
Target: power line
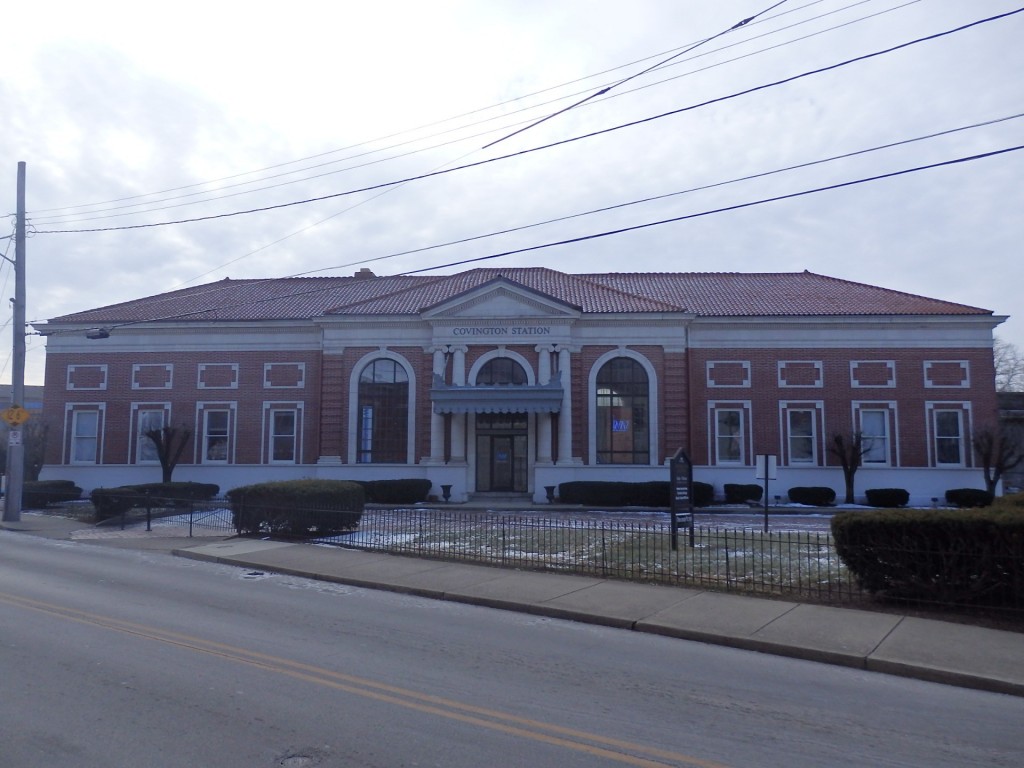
219,287
701,188
725,209
583,238
642,72
39,213
379,194
649,85
209,193
592,134
367,153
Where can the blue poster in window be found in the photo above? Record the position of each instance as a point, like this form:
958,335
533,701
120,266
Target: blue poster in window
620,425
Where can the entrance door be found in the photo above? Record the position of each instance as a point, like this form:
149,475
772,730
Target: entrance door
501,455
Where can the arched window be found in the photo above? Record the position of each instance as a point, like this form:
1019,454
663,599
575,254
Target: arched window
383,413
623,419
501,370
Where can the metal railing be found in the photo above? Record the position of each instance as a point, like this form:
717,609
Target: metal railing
791,563
211,517
801,565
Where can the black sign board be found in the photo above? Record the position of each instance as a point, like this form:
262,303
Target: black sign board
682,495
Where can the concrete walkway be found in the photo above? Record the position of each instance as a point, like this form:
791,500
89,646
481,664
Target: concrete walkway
926,649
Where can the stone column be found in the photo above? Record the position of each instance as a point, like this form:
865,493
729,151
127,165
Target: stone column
437,419
544,419
565,415
459,419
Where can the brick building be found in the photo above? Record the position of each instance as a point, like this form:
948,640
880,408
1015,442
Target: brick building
511,380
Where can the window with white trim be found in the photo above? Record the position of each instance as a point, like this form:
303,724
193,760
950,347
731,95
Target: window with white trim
874,432
85,431
216,435
801,435
623,421
383,413
147,419
948,436
728,435
284,424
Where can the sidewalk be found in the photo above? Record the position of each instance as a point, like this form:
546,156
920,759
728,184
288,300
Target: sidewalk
926,649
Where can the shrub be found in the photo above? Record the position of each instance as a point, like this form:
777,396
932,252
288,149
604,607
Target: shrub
812,496
943,556
174,493
887,497
968,497
736,493
112,502
652,493
1011,501
703,494
613,494
36,494
303,508
408,491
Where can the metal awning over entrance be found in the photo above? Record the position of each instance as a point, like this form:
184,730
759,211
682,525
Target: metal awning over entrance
538,398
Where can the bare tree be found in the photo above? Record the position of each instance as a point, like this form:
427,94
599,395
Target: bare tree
1009,364
170,443
850,449
999,452
34,435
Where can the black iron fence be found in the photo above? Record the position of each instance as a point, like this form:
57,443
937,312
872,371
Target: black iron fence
201,518
791,563
794,564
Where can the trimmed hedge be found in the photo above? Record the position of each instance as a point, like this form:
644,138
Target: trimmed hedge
1010,501
112,502
653,493
299,508
969,497
402,491
812,496
738,493
887,497
942,556
36,494
703,494
595,493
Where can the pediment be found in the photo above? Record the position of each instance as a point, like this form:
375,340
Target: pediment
501,299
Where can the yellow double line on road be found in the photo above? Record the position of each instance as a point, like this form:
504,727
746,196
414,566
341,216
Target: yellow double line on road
615,750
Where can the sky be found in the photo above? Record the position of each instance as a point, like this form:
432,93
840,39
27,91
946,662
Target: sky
130,115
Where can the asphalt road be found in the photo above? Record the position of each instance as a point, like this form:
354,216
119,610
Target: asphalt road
112,657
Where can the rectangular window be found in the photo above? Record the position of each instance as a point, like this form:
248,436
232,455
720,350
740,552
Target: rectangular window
215,435
874,430
728,436
147,419
801,436
283,425
85,427
948,437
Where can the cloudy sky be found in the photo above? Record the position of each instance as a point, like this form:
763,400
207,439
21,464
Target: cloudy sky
127,115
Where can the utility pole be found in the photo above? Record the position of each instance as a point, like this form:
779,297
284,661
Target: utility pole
15,444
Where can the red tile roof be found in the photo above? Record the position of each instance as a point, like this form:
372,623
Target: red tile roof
719,294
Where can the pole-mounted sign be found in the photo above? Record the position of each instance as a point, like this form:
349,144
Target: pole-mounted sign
682,495
15,416
767,469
